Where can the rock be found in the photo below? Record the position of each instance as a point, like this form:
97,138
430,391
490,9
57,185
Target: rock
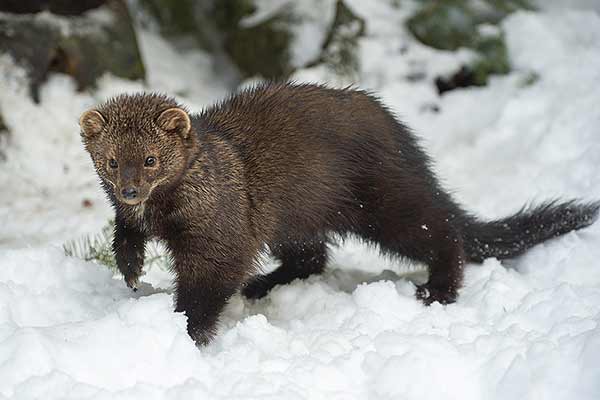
261,48
258,49
3,126
182,18
445,25
340,47
492,59
84,46
452,24
59,7
3,136
263,41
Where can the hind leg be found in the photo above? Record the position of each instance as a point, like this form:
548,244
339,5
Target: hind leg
446,264
441,249
298,261
427,236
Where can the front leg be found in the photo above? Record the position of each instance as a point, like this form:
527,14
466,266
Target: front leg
128,247
202,301
207,275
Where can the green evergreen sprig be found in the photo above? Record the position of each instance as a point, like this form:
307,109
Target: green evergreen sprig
98,248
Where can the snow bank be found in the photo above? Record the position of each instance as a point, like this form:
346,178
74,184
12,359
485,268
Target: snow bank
70,330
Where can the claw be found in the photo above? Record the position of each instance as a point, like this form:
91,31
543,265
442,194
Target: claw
132,283
429,295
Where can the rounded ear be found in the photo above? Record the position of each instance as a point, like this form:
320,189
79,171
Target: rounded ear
175,120
91,123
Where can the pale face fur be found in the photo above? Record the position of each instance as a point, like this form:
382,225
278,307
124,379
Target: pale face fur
137,145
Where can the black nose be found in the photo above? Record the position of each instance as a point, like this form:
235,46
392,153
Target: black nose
129,193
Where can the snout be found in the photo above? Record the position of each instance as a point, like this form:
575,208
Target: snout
131,195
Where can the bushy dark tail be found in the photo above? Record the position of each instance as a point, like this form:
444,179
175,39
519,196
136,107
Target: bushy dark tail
512,236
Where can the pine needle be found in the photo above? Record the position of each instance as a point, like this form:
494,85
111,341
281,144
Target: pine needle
98,248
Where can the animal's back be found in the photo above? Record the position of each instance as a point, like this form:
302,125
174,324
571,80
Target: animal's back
306,149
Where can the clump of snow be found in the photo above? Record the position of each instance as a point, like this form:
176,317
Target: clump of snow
265,10
574,4
526,328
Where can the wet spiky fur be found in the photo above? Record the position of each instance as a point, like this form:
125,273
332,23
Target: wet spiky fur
289,166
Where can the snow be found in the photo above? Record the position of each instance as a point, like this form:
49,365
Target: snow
308,27
524,329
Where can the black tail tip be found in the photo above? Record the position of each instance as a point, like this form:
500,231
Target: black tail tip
512,236
575,213
590,212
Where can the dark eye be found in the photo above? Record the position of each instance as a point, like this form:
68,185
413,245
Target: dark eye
150,161
113,163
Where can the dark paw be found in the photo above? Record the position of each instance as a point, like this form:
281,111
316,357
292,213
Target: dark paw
132,281
429,295
132,272
201,338
200,331
132,278
257,288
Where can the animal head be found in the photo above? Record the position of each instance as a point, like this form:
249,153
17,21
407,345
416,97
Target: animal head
138,143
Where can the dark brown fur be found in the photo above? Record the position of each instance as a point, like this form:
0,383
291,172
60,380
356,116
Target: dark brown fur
287,166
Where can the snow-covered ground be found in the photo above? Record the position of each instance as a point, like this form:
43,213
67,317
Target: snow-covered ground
70,330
